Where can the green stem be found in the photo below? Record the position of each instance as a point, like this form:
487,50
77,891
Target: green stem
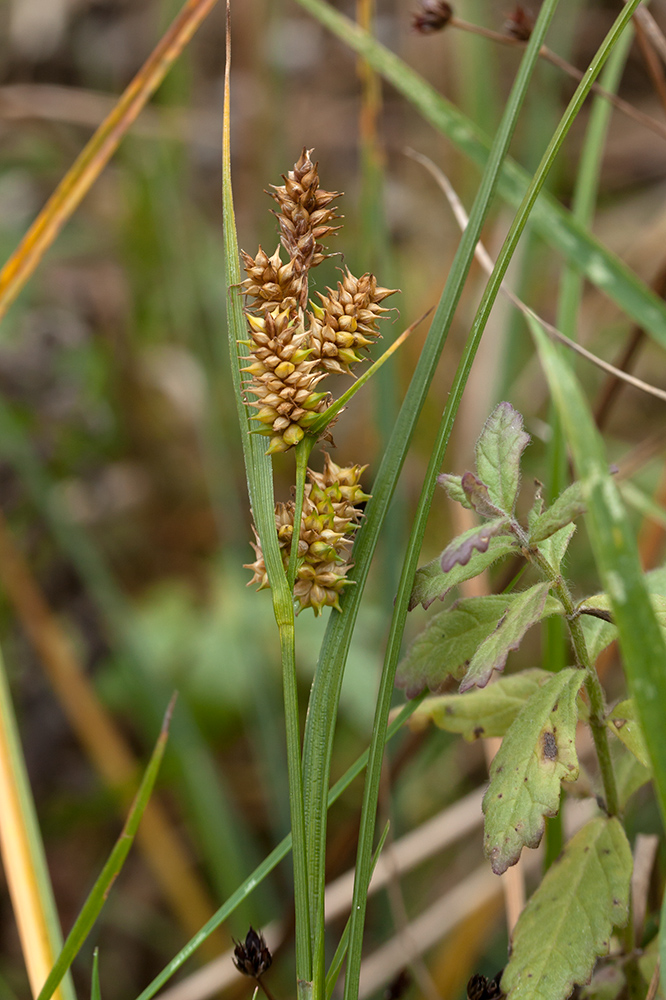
593,687
303,451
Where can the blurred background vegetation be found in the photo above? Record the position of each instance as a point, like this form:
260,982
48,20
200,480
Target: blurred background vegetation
124,520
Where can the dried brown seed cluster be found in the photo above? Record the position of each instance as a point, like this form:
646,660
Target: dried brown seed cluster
432,15
252,956
328,522
292,349
519,24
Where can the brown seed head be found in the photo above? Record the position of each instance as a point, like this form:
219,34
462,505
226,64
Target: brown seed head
304,217
432,16
252,956
519,24
270,282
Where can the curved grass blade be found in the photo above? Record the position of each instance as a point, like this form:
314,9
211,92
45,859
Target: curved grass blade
371,790
267,865
98,151
23,855
95,991
95,901
554,223
259,470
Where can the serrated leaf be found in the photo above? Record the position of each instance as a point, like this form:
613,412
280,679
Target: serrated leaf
476,492
431,582
568,921
525,610
498,451
486,711
623,722
460,550
568,506
554,549
453,487
537,753
448,642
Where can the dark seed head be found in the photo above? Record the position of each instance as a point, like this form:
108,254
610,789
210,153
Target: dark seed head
252,956
519,24
432,15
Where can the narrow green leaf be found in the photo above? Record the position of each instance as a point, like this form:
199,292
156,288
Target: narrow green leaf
525,610
431,583
616,555
537,753
567,923
454,489
266,867
100,891
568,506
623,722
487,711
460,550
95,991
498,452
554,223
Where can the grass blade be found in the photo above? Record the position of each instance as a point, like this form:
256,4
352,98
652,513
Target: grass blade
268,864
549,219
98,151
23,855
95,901
259,469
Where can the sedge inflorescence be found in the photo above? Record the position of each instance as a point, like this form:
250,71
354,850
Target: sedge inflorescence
295,343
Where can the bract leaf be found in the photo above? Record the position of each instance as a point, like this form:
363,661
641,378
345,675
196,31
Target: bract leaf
484,712
460,550
525,610
537,753
567,923
431,582
476,492
453,487
623,722
568,506
498,451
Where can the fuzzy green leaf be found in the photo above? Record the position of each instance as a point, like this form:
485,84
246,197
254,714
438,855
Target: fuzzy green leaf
453,487
568,506
487,711
567,923
498,451
554,548
623,722
537,753
431,582
525,610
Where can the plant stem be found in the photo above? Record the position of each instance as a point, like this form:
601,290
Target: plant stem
303,451
593,687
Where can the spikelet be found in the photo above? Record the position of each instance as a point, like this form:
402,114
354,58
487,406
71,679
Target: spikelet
283,378
328,522
346,321
304,217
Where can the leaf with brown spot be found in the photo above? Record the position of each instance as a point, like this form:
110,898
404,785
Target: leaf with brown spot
537,753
